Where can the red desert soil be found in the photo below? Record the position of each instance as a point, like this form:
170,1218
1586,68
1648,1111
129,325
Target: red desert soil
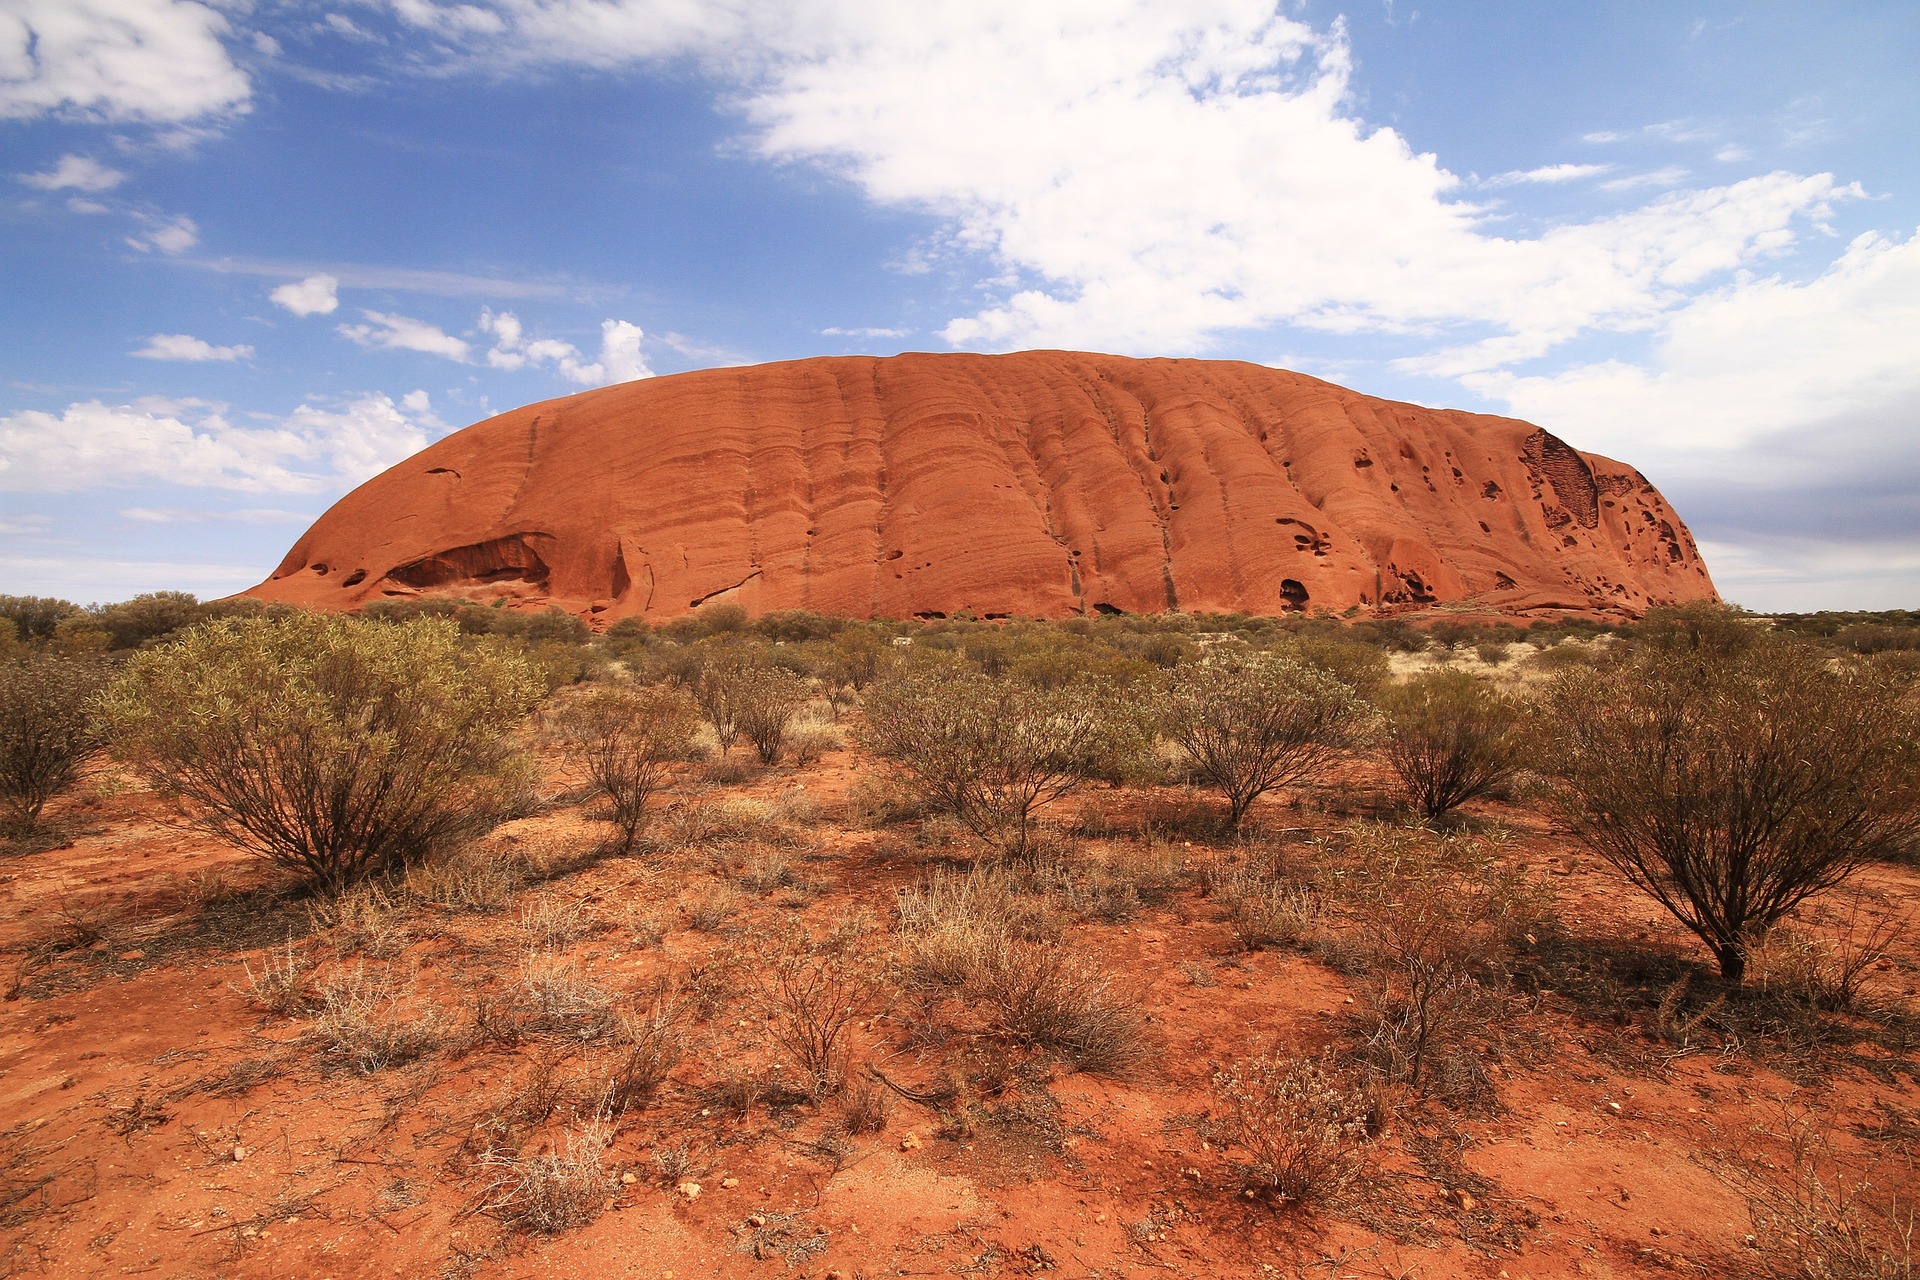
158,1121
1039,484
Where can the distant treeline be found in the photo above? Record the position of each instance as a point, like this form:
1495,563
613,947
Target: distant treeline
1158,639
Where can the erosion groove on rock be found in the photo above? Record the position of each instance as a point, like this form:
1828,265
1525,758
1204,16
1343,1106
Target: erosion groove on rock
1043,483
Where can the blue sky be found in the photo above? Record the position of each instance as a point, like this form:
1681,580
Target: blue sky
254,251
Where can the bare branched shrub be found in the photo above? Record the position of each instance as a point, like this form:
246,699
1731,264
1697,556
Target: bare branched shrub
991,750
1439,921
331,747
47,730
1450,738
718,689
1828,970
629,738
371,1023
555,1190
811,1000
1733,781
647,1046
1302,1129
1251,722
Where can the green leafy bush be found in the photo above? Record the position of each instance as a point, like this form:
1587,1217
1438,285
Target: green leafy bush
628,738
47,730
1733,775
332,747
993,750
1251,722
1450,738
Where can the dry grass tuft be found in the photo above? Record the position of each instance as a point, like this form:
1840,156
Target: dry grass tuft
371,1024
555,1190
1820,1222
280,985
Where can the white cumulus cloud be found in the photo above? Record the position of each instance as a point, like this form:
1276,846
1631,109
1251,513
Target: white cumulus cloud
76,173
124,61
194,443
1749,362
1149,175
620,359
180,346
314,296
403,333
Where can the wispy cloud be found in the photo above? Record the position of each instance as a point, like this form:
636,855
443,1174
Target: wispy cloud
180,346
169,235
198,515
865,333
1552,173
76,173
447,284
1670,176
404,333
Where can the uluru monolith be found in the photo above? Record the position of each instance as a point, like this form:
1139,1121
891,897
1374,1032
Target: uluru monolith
1037,484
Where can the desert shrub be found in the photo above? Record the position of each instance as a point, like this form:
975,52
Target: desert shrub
1262,908
811,1000
648,1045
1439,921
993,750
468,878
766,699
1302,1131
1732,775
47,730
1364,668
1828,969
327,746
1450,738
1249,723
865,1105
1814,1219
628,738
806,744
280,985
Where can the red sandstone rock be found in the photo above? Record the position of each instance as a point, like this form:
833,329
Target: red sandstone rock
1043,483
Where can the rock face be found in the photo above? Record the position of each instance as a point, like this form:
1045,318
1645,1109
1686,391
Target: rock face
1043,483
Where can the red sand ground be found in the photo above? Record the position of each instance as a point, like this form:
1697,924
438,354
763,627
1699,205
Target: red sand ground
1038,484
157,1122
